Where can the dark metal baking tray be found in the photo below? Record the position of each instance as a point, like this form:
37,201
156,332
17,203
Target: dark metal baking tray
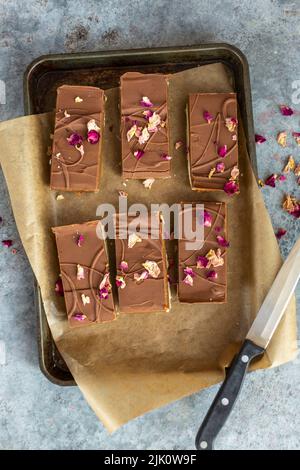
104,69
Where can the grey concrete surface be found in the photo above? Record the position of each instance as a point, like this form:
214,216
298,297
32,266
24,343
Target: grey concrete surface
34,414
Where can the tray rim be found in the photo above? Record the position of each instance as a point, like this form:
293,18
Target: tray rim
81,58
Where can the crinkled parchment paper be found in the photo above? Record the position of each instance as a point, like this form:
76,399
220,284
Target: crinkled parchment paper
142,362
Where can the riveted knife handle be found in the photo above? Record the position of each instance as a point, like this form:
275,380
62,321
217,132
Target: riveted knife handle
226,396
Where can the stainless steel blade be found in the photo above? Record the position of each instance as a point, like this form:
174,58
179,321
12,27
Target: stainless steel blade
276,301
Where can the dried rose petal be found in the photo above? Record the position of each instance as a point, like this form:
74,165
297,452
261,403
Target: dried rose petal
260,139
297,170
220,167
234,137
281,177
141,277
208,117
152,268
297,137
144,136
7,243
120,282
178,144
123,266
133,239
280,233
166,157
105,283
218,229
122,193
138,154
222,241
92,126
271,180
290,165
148,113
103,293
85,299
202,262
80,272
59,290
234,173
146,102
131,132
188,280
222,151
148,183
231,123
211,173
66,114
75,139
281,138
261,183
93,137
231,187
78,99
59,197
14,251
189,271
286,110
79,239
207,219
212,275
79,316
154,122
215,258
292,206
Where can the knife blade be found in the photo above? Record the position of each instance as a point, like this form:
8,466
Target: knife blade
255,344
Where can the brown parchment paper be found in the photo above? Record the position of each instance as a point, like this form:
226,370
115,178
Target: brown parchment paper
141,362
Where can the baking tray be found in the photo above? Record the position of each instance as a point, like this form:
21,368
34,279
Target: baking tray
103,69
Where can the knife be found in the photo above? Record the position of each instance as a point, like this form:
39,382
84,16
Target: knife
255,344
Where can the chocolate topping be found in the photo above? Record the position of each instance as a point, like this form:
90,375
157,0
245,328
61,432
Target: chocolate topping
150,294
206,138
135,86
89,254
204,289
76,167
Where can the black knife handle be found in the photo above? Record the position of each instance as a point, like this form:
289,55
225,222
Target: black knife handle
226,396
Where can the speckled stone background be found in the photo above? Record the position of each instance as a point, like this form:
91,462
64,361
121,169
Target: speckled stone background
34,414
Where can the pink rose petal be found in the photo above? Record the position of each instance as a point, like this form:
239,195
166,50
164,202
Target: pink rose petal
165,156
148,114
212,275
79,316
208,117
123,266
79,239
286,110
271,180
222,151
207,219
141,277
7,243
146,102
222,241
189,271
138,154
93,137
231,187
280,233
260,139
282,177
75,139
103,293
202,262
220,167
